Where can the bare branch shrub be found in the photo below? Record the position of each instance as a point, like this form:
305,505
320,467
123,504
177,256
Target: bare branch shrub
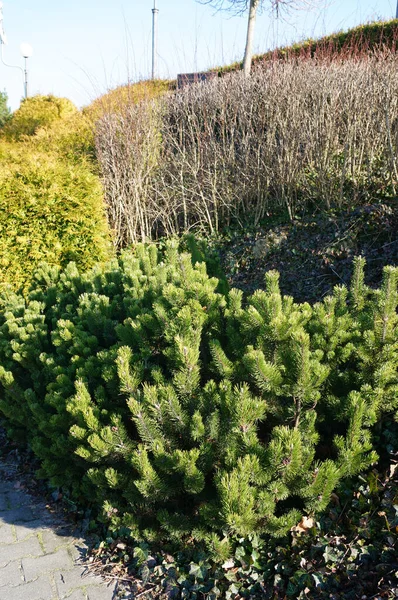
128,146
297,136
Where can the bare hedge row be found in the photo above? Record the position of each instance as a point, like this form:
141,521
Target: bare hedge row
298,136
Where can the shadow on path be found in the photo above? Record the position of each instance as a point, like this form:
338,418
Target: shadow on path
40,555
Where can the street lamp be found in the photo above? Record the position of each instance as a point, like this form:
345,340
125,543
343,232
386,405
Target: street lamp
3,37
26,51
155,12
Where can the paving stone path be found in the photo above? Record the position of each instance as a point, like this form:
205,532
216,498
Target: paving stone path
39,554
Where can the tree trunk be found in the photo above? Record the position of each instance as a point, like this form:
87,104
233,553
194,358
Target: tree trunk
247,61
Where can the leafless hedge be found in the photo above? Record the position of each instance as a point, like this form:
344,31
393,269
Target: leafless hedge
298,136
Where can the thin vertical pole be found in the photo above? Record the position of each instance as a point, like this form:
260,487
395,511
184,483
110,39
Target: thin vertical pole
396,16
155,12
26,77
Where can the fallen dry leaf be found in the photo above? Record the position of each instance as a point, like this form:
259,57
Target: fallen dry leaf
228,564
393,468
304,526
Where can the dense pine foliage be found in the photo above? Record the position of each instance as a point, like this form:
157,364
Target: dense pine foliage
186,413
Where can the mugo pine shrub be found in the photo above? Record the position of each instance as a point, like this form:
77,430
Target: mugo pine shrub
189,415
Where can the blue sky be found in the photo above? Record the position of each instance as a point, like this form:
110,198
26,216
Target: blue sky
81,48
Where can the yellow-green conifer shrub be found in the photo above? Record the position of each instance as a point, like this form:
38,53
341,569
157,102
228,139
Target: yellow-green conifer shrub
50,210
71,137
35,112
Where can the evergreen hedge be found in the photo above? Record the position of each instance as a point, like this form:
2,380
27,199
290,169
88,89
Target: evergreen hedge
50,210
187,414
51,201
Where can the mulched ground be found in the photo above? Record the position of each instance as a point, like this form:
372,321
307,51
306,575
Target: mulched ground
315,253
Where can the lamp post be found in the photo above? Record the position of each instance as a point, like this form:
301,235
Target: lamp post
155,12
3,37
26,51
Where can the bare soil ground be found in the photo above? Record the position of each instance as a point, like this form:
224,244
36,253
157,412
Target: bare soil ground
315,253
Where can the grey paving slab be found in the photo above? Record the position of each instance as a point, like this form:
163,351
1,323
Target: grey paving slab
100,592
23,514
39,554
7,534
40,589
6,486
22,531
18,499
49,563
78,595
17,550
69,581
11,576
52,542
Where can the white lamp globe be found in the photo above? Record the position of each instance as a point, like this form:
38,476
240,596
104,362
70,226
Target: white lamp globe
26,50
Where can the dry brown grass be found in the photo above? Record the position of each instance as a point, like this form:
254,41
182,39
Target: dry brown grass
116,100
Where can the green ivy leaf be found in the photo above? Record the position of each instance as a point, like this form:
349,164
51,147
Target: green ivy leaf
330,555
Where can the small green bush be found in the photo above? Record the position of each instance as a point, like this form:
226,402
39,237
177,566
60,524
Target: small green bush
185,414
